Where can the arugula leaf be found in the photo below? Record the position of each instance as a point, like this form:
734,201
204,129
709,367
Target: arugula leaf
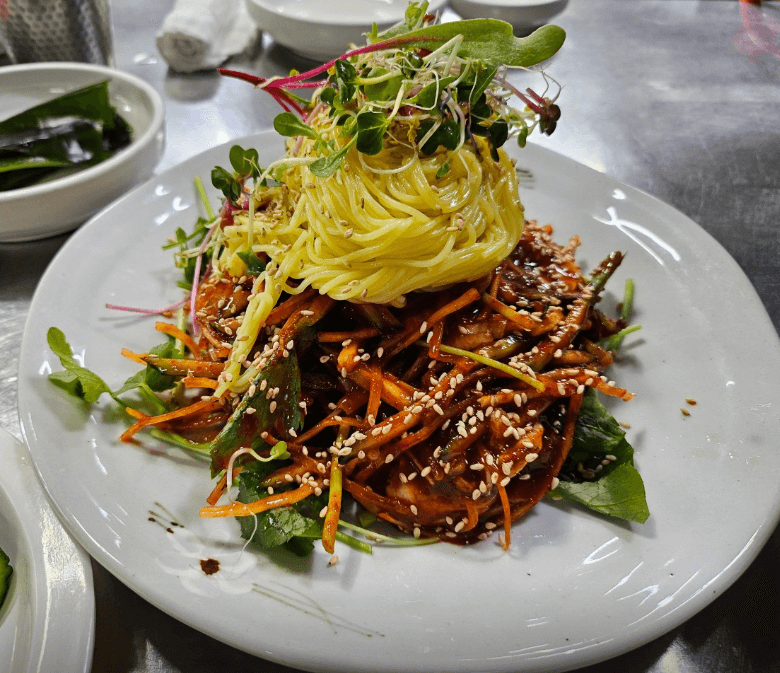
5,575
76,380
619,490
289,527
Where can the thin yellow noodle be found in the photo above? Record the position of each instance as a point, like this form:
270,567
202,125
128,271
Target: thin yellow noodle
362,235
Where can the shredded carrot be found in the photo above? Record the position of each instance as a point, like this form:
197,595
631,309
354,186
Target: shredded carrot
375,391
507,516
264,504
176,333
338,337
126,352
473,515
204,406
185,367
288,307
331,523
221,486
199,382
469,296
346,359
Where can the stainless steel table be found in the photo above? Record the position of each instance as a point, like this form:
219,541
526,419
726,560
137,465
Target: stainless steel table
676,97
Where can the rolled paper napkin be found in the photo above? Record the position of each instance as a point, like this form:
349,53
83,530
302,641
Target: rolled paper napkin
203,34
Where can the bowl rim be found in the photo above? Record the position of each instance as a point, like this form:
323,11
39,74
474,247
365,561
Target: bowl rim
511,4
88,174
330,19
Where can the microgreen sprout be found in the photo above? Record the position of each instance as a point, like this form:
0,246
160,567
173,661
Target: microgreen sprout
421,82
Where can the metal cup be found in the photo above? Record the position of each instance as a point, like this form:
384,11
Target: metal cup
56,30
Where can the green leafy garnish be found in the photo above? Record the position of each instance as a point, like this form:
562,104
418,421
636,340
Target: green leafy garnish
614,488
293,527
445,81
243,429
254,265
245,165
76,380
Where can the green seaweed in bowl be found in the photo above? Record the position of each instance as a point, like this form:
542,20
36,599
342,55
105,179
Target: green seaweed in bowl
60,136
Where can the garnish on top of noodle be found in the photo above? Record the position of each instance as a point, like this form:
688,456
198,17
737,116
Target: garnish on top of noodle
393,179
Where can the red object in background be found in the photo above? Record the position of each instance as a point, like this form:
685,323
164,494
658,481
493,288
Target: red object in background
760,34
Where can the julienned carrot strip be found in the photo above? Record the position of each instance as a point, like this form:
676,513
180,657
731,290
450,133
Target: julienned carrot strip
374,392
264,504
199,382
135,357
469,296
176,333
338,337
287,308
473,515
198,407
331,523
185,367
219,489
347,355
507,516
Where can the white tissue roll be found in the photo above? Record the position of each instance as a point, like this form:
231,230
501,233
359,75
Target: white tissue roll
203,34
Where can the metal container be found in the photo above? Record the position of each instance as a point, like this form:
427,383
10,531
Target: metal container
56,30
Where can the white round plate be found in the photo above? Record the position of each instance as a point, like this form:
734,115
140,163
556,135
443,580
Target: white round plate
47,621
575,588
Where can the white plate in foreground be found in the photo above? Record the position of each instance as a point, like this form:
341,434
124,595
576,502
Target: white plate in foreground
48,618
574,589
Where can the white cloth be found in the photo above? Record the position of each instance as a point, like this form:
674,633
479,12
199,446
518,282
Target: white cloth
203,34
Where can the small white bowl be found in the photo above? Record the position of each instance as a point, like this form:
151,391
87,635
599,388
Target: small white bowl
54,207
321,30
524,15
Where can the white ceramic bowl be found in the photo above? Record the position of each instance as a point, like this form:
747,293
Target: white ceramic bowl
63,204
524,15
322,29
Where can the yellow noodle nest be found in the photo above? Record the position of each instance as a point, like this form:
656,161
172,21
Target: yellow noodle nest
379,227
